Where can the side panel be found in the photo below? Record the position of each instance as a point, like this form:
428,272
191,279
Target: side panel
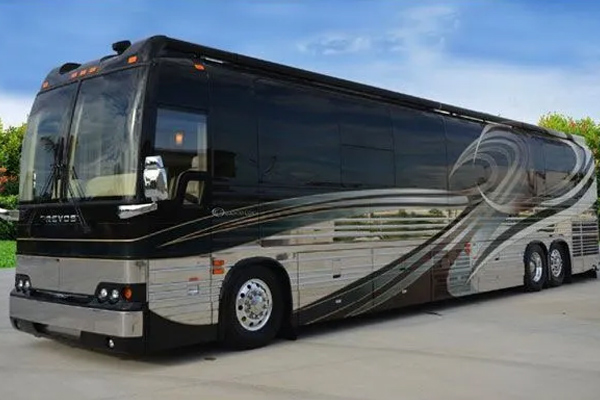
322,272
179,289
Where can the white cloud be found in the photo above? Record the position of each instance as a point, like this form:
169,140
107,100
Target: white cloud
14,108
412,58
335,43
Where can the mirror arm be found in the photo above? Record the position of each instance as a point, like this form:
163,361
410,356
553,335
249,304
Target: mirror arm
134,210
9,215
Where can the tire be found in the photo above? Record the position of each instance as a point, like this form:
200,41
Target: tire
558,262
536,268
241,322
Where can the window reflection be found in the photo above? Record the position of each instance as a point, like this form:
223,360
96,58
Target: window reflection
181,141
104,155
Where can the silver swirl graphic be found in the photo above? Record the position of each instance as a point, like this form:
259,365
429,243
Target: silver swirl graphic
509,181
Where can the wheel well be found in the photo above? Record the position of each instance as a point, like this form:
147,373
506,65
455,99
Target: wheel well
282,276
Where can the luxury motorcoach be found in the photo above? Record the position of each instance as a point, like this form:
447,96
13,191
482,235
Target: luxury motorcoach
173,193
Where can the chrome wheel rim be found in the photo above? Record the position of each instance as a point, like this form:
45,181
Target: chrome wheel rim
556,263
254,304
536,266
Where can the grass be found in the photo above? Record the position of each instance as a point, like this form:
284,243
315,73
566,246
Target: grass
7,254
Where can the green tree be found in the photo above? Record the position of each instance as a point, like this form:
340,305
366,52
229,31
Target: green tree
11,139
585,127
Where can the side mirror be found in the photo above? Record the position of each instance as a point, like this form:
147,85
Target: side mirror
155,179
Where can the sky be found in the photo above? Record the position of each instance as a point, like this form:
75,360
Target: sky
517,59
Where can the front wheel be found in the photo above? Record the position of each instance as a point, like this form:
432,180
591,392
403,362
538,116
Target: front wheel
535,268
252,308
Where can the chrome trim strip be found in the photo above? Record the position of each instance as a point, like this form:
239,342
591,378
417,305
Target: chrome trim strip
9,215
130,211
126,324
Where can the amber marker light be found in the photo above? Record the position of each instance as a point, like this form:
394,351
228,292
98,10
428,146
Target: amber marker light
127,293
218,267
199,67
132,60
45,85
179,138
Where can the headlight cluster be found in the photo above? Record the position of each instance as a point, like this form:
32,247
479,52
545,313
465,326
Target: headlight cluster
113,294
22,283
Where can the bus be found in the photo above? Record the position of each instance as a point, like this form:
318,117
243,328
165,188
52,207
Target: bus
173,194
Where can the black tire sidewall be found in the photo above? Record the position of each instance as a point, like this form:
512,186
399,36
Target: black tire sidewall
234,334
530,284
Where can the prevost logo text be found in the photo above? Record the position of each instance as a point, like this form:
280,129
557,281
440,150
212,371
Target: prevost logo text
59,218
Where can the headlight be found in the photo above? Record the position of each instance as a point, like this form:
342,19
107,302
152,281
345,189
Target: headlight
22,283
114,295
103,294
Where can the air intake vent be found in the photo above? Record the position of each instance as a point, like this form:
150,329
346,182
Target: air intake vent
121,46
68,67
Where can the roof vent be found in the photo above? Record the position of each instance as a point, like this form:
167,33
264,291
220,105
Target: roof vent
121,46
66,67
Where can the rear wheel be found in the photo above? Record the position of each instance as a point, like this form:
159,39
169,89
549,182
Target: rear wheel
535,268
252,308
558,261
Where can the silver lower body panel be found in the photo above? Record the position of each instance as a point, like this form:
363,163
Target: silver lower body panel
69,318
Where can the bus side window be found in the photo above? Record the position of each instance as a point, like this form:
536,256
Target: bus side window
181,141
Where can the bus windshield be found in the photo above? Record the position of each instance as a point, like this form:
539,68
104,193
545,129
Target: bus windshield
41,145
100,153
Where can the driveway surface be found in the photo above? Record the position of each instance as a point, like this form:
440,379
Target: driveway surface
508,345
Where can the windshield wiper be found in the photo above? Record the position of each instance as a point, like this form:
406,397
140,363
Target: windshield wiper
52,179
71,192
81,194
58,172
55,167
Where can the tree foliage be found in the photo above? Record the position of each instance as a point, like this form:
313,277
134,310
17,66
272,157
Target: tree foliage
11,139
585,127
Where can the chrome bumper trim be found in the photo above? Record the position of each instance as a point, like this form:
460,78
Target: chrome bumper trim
125,324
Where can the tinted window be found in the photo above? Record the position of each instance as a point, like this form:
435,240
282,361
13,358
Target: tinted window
366,124
559,162
365,167
104,155
460,135
298,137
420,150
536,173
233,127
181,141
181,85
47,123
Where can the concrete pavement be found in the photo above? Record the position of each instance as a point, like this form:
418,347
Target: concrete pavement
512,345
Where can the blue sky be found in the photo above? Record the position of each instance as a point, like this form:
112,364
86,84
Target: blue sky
519,59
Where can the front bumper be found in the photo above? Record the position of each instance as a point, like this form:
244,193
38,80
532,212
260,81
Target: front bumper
118,331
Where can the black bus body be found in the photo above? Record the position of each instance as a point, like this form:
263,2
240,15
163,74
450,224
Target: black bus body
172,194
